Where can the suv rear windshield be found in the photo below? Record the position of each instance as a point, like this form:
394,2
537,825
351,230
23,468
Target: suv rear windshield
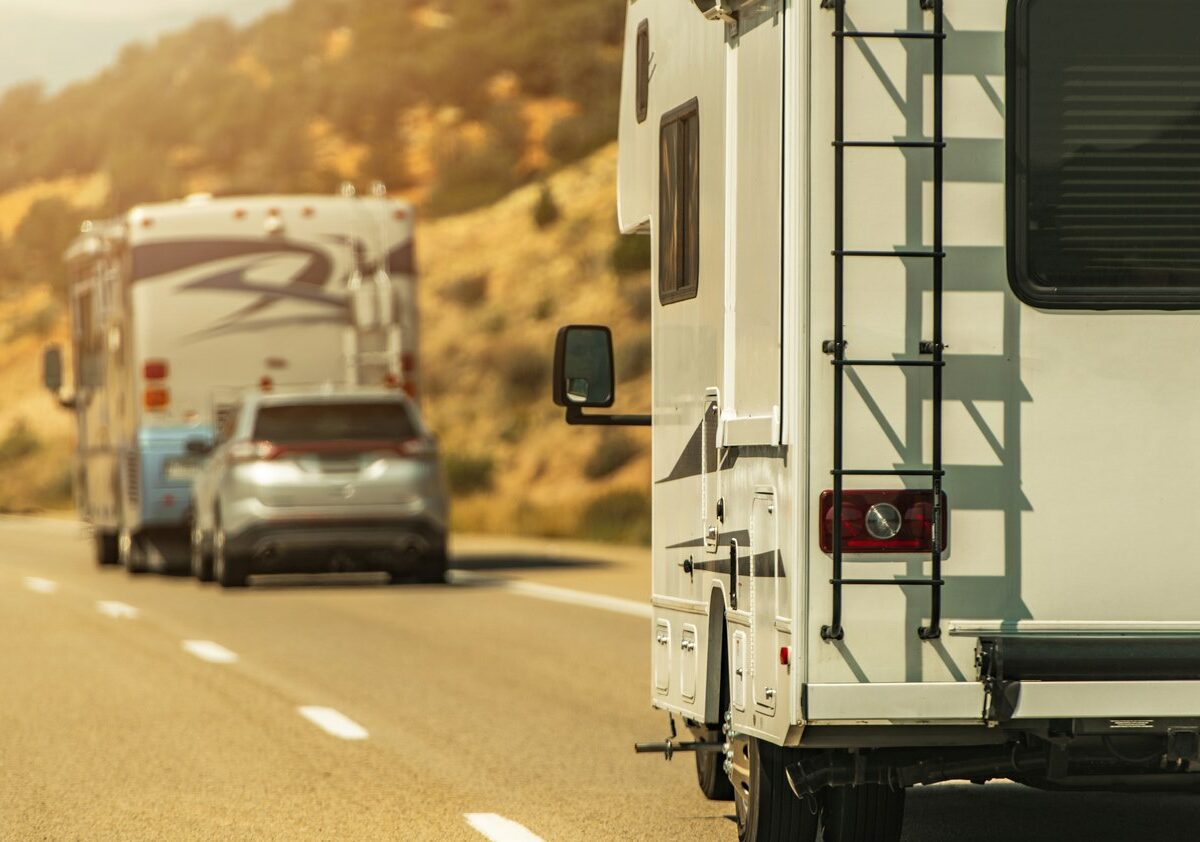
1104,131
357,420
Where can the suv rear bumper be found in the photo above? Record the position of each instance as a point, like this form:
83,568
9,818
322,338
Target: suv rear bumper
315,544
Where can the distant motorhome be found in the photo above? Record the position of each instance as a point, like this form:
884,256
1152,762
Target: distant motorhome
176,307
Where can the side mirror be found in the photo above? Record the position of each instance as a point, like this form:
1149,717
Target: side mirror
583,367
198,447
52,369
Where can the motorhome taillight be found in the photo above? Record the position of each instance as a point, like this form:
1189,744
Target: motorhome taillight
156,399
899,521
156,369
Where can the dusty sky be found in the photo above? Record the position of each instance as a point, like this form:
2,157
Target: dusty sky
131,8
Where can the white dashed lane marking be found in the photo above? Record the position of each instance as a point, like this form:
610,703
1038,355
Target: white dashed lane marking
550,593
116,610
40,585
206,650
332,722
499,829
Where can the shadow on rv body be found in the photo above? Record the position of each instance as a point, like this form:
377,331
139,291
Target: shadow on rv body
969,379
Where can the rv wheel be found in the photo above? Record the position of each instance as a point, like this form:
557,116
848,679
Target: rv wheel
869,813
202,561
710,769
132,553
108,551
767,809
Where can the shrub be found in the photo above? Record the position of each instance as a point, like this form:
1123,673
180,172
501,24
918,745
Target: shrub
467,290
545,308
613,451
630,254
546,212
634,357
19,443
526,371
621,516
467,474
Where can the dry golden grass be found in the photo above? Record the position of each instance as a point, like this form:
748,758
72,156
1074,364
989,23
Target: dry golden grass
537,280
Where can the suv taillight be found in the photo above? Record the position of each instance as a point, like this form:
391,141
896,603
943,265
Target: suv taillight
252,451
883,521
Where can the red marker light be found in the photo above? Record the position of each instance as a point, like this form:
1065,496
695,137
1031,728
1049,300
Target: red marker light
266,384
785,655
240,213
400,214
156,369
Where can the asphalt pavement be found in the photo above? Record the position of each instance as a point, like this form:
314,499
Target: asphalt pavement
503,705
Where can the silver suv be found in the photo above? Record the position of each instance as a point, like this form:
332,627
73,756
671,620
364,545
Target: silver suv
319,481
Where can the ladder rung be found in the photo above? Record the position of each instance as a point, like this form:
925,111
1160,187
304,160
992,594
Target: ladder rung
917,35
900,472
896,363
890,144
929,583
897,253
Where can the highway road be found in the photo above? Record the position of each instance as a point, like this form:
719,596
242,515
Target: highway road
502,706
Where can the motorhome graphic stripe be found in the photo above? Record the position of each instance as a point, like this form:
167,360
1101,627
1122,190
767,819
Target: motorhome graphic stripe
742,536
691,462
757,566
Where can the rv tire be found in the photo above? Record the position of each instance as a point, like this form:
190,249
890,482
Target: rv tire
710,769
202,560
108,548
868,813
133,554
767,809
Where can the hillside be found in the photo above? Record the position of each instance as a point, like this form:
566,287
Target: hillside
495,287
509,155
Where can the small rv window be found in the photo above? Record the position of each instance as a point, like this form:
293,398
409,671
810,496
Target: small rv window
679,205
1104,153
643,70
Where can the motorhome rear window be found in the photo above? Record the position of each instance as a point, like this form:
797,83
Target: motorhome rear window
357,421
1104,153
679,204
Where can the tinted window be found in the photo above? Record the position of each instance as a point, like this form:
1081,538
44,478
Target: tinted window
1105,152
679,205
359,421
643,70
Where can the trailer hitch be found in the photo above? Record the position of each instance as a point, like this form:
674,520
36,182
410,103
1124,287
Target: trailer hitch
669,746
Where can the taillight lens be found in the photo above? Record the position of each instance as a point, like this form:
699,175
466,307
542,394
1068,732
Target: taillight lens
157,399
883,521
156,369
252,451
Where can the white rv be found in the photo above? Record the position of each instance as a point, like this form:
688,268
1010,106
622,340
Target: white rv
927,292
175,307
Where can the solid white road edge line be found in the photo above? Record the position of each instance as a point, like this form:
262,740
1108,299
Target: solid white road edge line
564,595
206,650
116,610
332,722
40,585
499,829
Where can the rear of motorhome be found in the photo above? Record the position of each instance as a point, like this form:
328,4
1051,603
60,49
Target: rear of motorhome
926,379
176,307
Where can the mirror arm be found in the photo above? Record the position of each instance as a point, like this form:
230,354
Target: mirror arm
576,417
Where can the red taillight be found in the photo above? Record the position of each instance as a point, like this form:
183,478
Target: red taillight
870,517
253,451
156,369
157,399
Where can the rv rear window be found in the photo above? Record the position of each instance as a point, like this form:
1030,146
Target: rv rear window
679,205
1104,153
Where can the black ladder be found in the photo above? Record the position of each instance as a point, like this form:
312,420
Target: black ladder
933,349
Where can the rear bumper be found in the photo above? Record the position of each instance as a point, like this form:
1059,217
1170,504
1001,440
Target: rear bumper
318,544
